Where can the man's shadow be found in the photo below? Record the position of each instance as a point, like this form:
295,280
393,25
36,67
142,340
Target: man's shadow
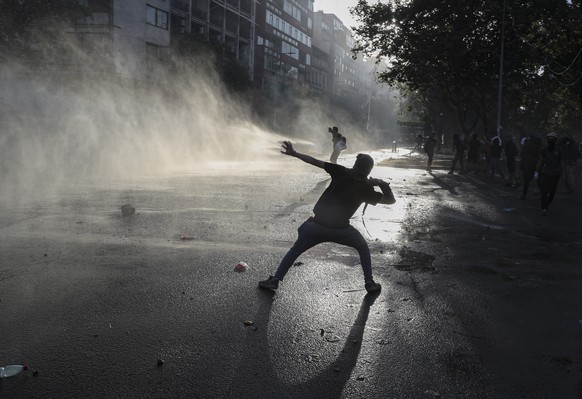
256,376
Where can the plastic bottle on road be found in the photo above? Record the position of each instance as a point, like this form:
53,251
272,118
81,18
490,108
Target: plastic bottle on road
13,369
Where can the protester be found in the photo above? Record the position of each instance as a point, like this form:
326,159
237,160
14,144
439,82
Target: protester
459,150
429,147
419,142
571,155
339,143
511,153
474,153
349,188
549,169
496,146
529,157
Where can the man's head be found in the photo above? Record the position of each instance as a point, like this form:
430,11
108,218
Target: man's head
363,165
335,129
552,137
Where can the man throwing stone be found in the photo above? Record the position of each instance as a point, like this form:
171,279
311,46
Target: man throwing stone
349,188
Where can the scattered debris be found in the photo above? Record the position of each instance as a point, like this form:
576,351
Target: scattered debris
298,264
360,378
186,238
160,362
248,322
312,358
434,394
241,267
331,338
127,210
383,342
508,210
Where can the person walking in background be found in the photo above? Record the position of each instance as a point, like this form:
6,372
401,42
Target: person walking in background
529,157
459,150
511,153
571,155
419,142
429,147
474,153
339,143
496,146
349,188
549,169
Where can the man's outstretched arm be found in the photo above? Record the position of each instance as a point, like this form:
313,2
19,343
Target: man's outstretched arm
288,150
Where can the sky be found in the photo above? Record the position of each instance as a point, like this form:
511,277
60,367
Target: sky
339,8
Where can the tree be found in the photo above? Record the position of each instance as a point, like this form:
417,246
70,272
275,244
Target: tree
449,53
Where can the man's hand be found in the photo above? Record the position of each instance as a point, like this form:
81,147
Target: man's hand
288,148
376,182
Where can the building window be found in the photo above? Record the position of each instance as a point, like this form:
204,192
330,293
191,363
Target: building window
156,17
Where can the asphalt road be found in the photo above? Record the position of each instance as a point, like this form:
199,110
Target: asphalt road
482,295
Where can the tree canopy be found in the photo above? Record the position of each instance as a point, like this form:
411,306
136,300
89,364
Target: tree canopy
449,54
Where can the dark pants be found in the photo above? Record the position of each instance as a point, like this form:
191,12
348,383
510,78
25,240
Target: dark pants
494,167
527,176
311,233
430,157
459,157
548,186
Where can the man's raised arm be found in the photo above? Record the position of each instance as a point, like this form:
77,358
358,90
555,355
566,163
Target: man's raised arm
288,150
388,196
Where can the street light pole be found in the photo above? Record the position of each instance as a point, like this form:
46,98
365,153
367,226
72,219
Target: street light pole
501,57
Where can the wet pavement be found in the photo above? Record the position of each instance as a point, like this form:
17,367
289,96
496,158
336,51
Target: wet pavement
482,295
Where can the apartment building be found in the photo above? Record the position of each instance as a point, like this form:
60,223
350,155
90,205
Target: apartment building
225,23
127,37
135,35
283,43
344,78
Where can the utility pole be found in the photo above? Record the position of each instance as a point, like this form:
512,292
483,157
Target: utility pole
501,56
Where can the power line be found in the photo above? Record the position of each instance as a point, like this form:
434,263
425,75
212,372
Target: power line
569,66
566,84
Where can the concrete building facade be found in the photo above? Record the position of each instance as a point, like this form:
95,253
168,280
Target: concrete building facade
229,24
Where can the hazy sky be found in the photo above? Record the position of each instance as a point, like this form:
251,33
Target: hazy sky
339,8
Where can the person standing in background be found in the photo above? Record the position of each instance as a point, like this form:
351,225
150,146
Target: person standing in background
459,149
529,157
549,170
496,146
571,155
429,147
511,153
339,143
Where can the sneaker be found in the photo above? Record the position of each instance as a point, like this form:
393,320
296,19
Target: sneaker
373,287
272,283
544,212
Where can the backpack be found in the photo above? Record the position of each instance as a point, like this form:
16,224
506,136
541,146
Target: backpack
342,144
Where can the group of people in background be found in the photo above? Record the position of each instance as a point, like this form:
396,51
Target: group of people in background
543,162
